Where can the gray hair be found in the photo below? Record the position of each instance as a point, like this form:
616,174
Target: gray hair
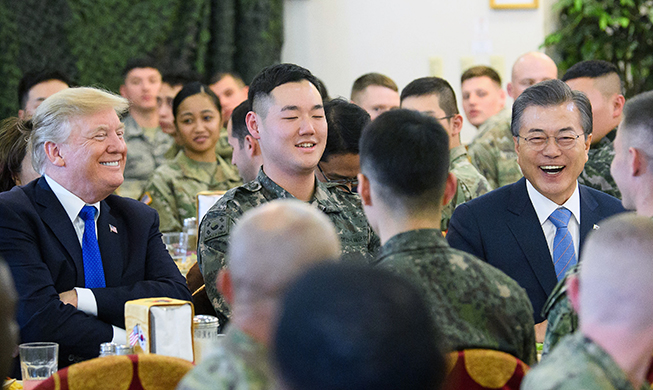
551,93
53,118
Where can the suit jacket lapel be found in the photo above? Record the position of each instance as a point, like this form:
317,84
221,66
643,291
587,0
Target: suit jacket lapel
588,215
109,240
524,225
53,214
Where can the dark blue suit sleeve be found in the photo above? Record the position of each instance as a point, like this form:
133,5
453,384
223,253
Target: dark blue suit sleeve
148,270
40,314
464,232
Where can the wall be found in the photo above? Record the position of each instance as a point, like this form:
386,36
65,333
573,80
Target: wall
339,40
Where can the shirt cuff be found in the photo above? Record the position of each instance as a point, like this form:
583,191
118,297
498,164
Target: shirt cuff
86,301
119,335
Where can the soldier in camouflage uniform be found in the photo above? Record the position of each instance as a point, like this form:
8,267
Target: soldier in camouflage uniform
613,346
291,142
492,151
146,142
600,81
294,237
635,186
172,189
173,186
434,96
474,304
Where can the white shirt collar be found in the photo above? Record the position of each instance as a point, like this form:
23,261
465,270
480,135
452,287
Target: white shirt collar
545,206
70,202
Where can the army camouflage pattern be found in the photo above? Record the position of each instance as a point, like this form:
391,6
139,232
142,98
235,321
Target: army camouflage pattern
358,241
578,363
174,186
561,317
143,157
471,183
474,304
492,151
238,363
597,168
222,148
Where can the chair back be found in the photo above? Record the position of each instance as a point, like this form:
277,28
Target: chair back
476,369
145,372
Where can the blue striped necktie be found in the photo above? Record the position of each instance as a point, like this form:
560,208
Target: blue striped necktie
93,270
564,254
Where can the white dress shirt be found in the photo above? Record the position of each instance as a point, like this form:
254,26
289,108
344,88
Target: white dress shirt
544,207
73,205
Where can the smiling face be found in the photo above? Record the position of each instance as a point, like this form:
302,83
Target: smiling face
552,171
91,161
198,125
482,98
292,133
141,86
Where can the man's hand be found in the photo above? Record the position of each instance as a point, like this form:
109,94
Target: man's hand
69,297
540,331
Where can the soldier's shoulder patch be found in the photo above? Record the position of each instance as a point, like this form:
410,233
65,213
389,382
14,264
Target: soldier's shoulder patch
146,198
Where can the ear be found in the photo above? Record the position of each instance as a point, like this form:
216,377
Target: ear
456,124
637,161
123,91
510,89
364,189
516,141
53,153
502,97
246,89
224,285
450,188
618,105
573,286
251,146
21,114
252,124
588,143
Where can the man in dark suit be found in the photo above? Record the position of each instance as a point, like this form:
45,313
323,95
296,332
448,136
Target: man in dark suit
513,227
76,252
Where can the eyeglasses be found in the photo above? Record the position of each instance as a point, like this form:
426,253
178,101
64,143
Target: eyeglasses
349,182
539,142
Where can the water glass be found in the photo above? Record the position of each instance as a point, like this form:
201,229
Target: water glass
38,361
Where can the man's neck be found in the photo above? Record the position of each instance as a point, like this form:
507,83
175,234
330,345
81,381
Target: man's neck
629,350
397,222
254,321
301,186
145,118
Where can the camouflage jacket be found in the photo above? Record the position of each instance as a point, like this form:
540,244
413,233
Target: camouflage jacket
343,209
493,151
143,157
597,168
561,317
474,304
238,363
470,182
173,188
578,363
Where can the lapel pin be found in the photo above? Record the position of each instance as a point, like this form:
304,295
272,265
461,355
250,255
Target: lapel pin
113,229
596,227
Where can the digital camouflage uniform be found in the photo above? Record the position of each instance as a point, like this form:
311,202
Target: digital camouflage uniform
474,304
238,363
578,364
597,168
222,148
470,182
492,151
173,188
143,157
343,208
561,317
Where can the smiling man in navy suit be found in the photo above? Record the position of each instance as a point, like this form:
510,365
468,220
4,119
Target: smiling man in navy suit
76,252
533,229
